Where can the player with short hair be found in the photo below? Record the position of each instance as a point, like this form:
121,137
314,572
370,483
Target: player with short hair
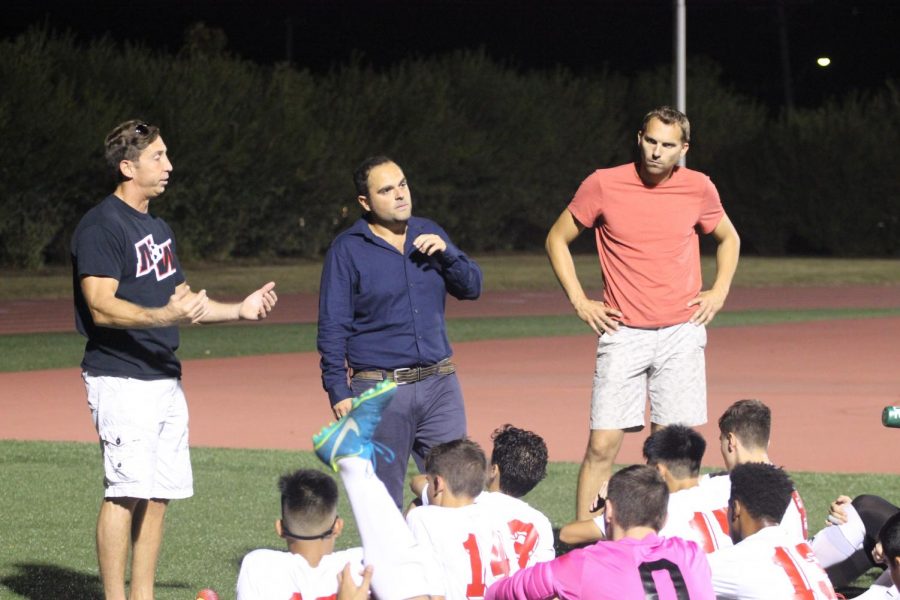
765,562
744,430
130,295
453,529
635,563
676,452
310,525
518,464
651,331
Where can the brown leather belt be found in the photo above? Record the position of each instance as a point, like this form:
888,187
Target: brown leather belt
407,374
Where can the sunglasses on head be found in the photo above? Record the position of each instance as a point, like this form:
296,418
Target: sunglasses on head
142,129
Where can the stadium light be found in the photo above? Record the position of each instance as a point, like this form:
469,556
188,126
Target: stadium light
823,61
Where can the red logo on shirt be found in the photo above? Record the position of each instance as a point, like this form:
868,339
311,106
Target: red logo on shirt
154,257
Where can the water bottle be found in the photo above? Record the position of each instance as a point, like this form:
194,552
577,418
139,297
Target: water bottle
890,417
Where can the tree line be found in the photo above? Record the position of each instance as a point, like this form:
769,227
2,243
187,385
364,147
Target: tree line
263,154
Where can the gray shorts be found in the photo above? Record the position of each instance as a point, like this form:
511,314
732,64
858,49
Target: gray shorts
143,429
666,364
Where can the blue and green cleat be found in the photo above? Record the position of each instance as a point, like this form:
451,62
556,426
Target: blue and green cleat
352,434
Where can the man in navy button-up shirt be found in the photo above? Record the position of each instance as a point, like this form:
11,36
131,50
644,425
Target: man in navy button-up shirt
381,307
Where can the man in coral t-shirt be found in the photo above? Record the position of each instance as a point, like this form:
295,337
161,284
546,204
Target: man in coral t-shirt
651,321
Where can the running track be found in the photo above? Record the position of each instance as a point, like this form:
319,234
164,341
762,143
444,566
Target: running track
825,381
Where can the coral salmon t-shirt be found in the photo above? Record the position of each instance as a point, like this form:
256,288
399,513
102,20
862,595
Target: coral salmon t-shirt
647,239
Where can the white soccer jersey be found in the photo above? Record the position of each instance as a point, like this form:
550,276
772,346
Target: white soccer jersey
460,542
276,575
693,514
793,521
767,565
526,532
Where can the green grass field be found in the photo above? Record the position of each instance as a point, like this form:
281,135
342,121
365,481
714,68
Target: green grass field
501,272
50,492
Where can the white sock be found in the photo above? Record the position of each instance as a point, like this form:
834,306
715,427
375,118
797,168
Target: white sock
837,543
388,544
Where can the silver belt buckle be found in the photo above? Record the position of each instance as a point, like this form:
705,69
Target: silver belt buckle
397,373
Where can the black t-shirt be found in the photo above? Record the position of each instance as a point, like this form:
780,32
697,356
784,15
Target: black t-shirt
138,250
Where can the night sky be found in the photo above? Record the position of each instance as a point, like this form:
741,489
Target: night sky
622,35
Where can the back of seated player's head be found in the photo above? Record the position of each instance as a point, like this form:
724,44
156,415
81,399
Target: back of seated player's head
521,458
750,421
889,536
679,448
308,504
639,496
461,464
763,490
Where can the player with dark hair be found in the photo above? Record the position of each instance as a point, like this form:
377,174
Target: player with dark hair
382,296
518,460
889,538
765,561
744,430
676,452
130,295
518,464
651,323
635,563
310,525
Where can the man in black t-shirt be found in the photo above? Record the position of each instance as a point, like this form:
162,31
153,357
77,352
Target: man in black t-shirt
130,296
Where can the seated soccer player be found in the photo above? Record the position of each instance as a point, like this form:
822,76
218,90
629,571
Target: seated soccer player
676,452
634,563
766,561
744,430
889,540
518,464
846,545
309,524
456,532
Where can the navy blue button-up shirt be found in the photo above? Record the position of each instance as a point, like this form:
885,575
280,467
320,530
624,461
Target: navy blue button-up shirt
380,309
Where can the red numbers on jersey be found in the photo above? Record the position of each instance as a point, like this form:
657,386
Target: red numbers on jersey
525,538
804,572
703,524
475,588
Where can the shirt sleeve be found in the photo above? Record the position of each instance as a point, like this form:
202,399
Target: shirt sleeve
530,583
462,275
335,323
99,253
711,212
586,206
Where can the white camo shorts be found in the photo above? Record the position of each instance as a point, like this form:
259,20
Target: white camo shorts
666,364
143,429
